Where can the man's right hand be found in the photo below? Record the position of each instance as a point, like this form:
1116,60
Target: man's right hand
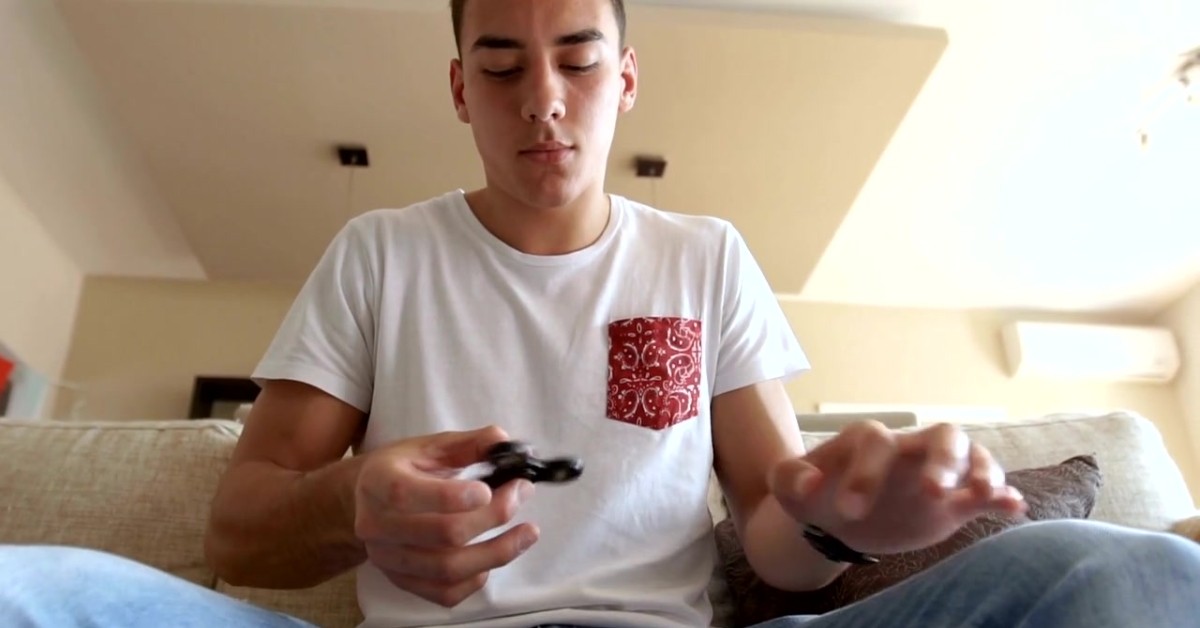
417,522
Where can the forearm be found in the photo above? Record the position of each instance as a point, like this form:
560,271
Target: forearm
272,527
779,554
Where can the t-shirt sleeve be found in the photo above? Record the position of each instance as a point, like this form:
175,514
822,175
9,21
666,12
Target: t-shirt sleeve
757,342
327,337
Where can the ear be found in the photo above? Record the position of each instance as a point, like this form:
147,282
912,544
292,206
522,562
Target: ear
629,79
456,91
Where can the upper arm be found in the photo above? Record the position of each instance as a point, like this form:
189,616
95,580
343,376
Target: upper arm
298,427
754,424
318,372
756,342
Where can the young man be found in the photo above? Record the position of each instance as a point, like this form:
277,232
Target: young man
540,308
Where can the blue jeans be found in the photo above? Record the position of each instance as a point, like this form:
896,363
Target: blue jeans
1060,574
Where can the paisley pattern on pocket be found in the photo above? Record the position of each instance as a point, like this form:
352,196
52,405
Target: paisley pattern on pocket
654,367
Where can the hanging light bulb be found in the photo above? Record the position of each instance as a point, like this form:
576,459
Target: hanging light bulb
1186,77
1189,77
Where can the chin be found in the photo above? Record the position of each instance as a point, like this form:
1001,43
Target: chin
548,194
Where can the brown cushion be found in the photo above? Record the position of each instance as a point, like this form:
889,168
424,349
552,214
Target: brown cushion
1064,491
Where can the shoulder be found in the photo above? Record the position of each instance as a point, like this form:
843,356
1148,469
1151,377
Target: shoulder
692,232
421,216
384,232
677,226
365,245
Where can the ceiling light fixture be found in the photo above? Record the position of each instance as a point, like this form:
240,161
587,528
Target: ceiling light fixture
352,156
1184,84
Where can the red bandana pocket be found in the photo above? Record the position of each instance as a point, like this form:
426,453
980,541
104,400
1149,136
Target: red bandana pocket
654,367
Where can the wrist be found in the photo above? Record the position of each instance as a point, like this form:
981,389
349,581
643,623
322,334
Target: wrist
775,547
339,482
347,494
833,548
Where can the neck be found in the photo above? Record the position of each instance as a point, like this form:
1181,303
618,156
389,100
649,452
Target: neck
542,231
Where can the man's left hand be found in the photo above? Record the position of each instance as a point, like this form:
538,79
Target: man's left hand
882,492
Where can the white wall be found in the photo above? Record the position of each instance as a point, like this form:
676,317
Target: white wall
68,159
1184,318
39,295
75,198
895,356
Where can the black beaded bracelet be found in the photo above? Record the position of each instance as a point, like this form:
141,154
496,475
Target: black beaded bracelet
833,549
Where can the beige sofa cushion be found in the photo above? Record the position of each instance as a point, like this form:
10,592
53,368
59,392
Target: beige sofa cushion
138,489
333,604
142,489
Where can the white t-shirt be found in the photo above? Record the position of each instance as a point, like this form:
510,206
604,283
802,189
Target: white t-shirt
424,319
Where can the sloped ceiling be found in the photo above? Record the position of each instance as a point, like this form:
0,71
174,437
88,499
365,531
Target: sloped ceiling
69,164
866,162
1017,180
772,121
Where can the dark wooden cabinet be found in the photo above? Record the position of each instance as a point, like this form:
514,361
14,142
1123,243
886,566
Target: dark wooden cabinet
208,391
5,396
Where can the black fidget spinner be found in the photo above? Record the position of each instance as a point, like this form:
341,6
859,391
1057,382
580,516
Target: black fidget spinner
513,460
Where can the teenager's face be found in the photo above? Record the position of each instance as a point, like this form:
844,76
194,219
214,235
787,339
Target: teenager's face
541,83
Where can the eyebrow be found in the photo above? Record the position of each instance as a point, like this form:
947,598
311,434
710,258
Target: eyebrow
495,42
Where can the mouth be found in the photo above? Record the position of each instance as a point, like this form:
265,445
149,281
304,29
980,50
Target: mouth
548,152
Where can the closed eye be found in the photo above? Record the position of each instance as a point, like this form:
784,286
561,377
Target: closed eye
502,73
577,69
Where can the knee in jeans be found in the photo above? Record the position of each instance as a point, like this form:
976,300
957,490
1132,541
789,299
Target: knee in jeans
1062,545
1160,554
1047,548
58,567
1069,539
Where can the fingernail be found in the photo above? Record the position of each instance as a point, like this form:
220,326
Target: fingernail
945,478
524,491
962,446
803,483
524,542
854,506
996,477
474,498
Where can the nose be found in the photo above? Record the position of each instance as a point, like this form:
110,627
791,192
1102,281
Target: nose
544,100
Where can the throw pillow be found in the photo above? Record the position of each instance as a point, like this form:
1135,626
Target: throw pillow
1065,490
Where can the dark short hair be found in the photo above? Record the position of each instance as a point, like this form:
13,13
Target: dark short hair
456,17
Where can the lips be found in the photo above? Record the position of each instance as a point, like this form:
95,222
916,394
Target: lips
548,152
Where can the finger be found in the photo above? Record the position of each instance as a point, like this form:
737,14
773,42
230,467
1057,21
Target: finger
798,479
456,564
457,450
442,594
866,471
833,453
946,449
439,530
396,488
966,505
794,482
984,474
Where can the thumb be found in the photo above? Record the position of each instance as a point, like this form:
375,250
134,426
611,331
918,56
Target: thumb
795,481
461,448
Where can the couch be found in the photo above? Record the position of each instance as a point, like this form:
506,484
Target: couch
141,489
